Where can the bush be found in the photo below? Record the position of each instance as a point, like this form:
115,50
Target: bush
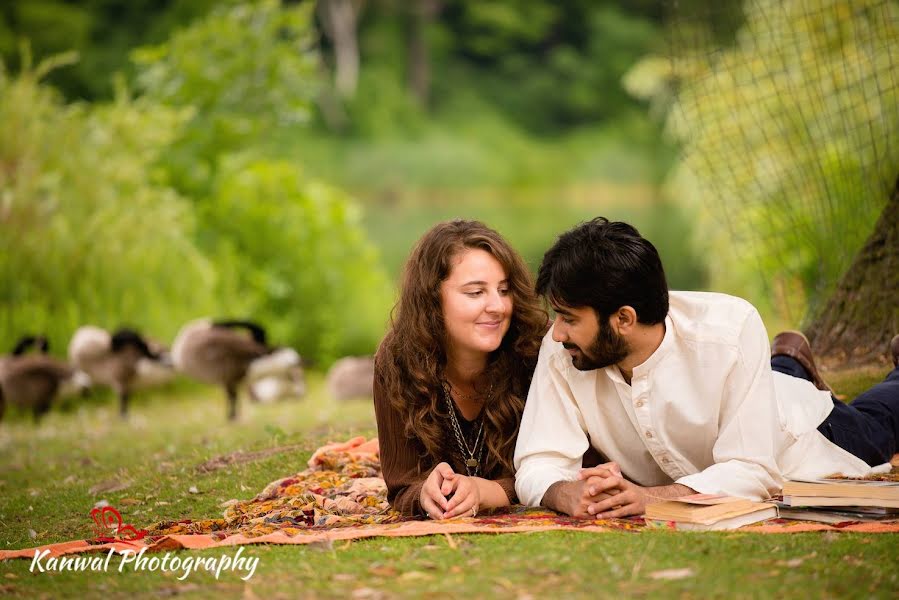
89,233
294,256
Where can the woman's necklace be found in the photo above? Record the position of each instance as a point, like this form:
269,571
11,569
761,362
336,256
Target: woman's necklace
472,455
466,397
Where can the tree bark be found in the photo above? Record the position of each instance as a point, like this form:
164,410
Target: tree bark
856,323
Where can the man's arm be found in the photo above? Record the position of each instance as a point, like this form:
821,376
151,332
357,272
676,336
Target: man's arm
745,451
575,498
602,492
552,439
625,498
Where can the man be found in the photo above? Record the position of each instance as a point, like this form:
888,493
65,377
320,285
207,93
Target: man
677,391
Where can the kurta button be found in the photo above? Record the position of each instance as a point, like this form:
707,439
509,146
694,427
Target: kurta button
639,403
649,434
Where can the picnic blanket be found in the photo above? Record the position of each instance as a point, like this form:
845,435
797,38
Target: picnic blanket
341,496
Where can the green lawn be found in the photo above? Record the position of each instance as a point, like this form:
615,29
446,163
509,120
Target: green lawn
47,472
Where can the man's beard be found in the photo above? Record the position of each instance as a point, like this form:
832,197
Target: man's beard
608,348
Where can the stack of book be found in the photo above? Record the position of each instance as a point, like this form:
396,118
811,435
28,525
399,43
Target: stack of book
834,500
708,512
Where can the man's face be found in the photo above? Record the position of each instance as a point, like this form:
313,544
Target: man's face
591,344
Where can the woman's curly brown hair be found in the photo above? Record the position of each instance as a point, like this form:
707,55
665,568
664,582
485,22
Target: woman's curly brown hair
412,356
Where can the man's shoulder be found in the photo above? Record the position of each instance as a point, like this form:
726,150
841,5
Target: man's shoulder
550,349
554,357
710,316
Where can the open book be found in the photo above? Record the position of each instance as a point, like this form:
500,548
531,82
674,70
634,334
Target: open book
703,512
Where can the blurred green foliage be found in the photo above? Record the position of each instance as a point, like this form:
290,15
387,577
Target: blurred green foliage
244,70
518,91
90,235
297,258
100,31
168,159
545,64
104,227
789,141
551,65
523,215
193,182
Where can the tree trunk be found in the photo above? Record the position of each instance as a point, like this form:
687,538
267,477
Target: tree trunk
340,18
423,12
862,315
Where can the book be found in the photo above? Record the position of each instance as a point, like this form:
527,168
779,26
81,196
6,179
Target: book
757,515
870,489
707,512
697,507
843,501
841,515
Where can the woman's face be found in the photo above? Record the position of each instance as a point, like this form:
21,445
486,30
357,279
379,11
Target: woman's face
477,305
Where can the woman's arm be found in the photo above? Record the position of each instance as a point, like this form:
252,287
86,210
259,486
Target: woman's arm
473,494
507,484
493,493
400,469
399,460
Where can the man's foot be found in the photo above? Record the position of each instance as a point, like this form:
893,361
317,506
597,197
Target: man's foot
894,350
795,345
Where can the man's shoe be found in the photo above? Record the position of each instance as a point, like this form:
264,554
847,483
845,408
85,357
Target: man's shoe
894,350
794,344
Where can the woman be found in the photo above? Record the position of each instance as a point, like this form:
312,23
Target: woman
452,374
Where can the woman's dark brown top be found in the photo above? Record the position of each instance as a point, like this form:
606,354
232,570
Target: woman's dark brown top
400,459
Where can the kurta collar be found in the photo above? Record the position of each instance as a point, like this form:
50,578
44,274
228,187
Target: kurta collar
667,344
614,374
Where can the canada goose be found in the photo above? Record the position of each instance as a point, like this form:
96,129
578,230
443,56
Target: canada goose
278,376
269,390
351,377
27,341
214,352
21,347
33,380
114,360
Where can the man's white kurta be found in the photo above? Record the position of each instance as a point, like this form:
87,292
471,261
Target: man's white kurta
705,410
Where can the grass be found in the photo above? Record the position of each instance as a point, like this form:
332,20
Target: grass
47,472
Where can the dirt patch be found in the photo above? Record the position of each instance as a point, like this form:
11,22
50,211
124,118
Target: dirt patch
109,486
240,457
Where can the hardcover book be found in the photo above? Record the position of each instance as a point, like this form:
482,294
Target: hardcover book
842,492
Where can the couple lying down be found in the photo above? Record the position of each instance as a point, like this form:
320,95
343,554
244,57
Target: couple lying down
635,394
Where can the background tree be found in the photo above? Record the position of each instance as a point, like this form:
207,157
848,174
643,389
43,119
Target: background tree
789,144
339,19
422,15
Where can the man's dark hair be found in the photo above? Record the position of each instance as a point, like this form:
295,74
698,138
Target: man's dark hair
605,265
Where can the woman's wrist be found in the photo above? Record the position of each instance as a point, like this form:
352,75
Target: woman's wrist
492,494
